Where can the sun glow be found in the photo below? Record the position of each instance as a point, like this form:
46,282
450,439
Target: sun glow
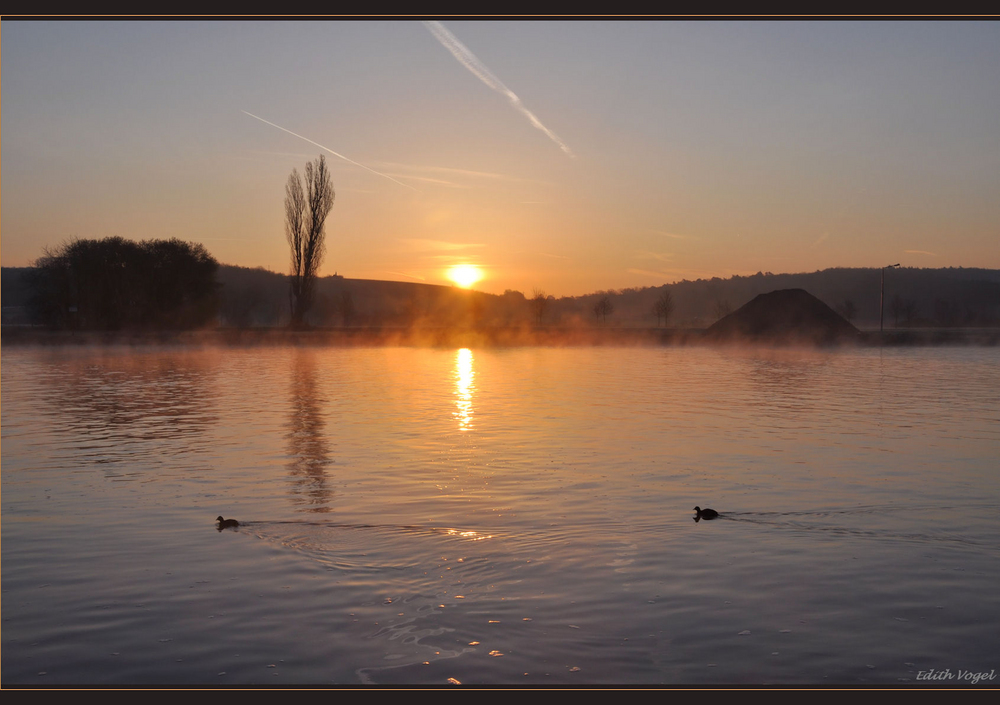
465,275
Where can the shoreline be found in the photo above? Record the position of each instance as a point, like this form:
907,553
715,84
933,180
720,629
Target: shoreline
544,336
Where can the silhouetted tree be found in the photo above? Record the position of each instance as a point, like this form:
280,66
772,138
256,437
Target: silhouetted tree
512,307
539,302
946,313
849,310
664,306
305,215
603,307
117,283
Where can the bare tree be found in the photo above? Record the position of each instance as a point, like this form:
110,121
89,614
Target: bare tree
664,306
305,215
539,302
722,308
603,307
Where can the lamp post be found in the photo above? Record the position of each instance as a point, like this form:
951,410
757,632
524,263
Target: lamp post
881,301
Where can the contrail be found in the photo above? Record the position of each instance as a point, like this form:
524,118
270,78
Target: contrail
404,274
469,60
336,154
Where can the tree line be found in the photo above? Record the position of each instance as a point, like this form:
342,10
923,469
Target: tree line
258,297
114,284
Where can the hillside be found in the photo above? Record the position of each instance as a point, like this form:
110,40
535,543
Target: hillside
786,316
914,298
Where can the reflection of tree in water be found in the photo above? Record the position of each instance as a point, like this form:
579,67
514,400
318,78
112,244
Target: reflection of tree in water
307,444
124,408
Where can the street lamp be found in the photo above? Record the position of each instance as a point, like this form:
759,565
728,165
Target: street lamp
881,300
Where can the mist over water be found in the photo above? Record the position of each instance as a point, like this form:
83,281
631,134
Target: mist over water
492,515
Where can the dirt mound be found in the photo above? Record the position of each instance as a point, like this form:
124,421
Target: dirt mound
785,316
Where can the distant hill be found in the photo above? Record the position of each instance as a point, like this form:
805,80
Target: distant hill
788,316
914,298
258,297
952,297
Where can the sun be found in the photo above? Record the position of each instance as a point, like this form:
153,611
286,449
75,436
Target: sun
465,275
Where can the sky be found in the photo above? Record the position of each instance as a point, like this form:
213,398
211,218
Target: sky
566,156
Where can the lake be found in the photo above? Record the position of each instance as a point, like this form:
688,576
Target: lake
510,516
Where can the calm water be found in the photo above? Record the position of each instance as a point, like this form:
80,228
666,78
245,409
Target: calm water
504,516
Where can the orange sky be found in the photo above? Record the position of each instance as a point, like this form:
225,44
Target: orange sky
565,156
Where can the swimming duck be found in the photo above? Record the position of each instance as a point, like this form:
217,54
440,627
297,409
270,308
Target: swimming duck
705,513
227,523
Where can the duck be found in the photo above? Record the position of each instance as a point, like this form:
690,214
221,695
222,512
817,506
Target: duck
226,523
705,513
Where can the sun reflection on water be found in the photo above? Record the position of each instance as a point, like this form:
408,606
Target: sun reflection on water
469,535
464,388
